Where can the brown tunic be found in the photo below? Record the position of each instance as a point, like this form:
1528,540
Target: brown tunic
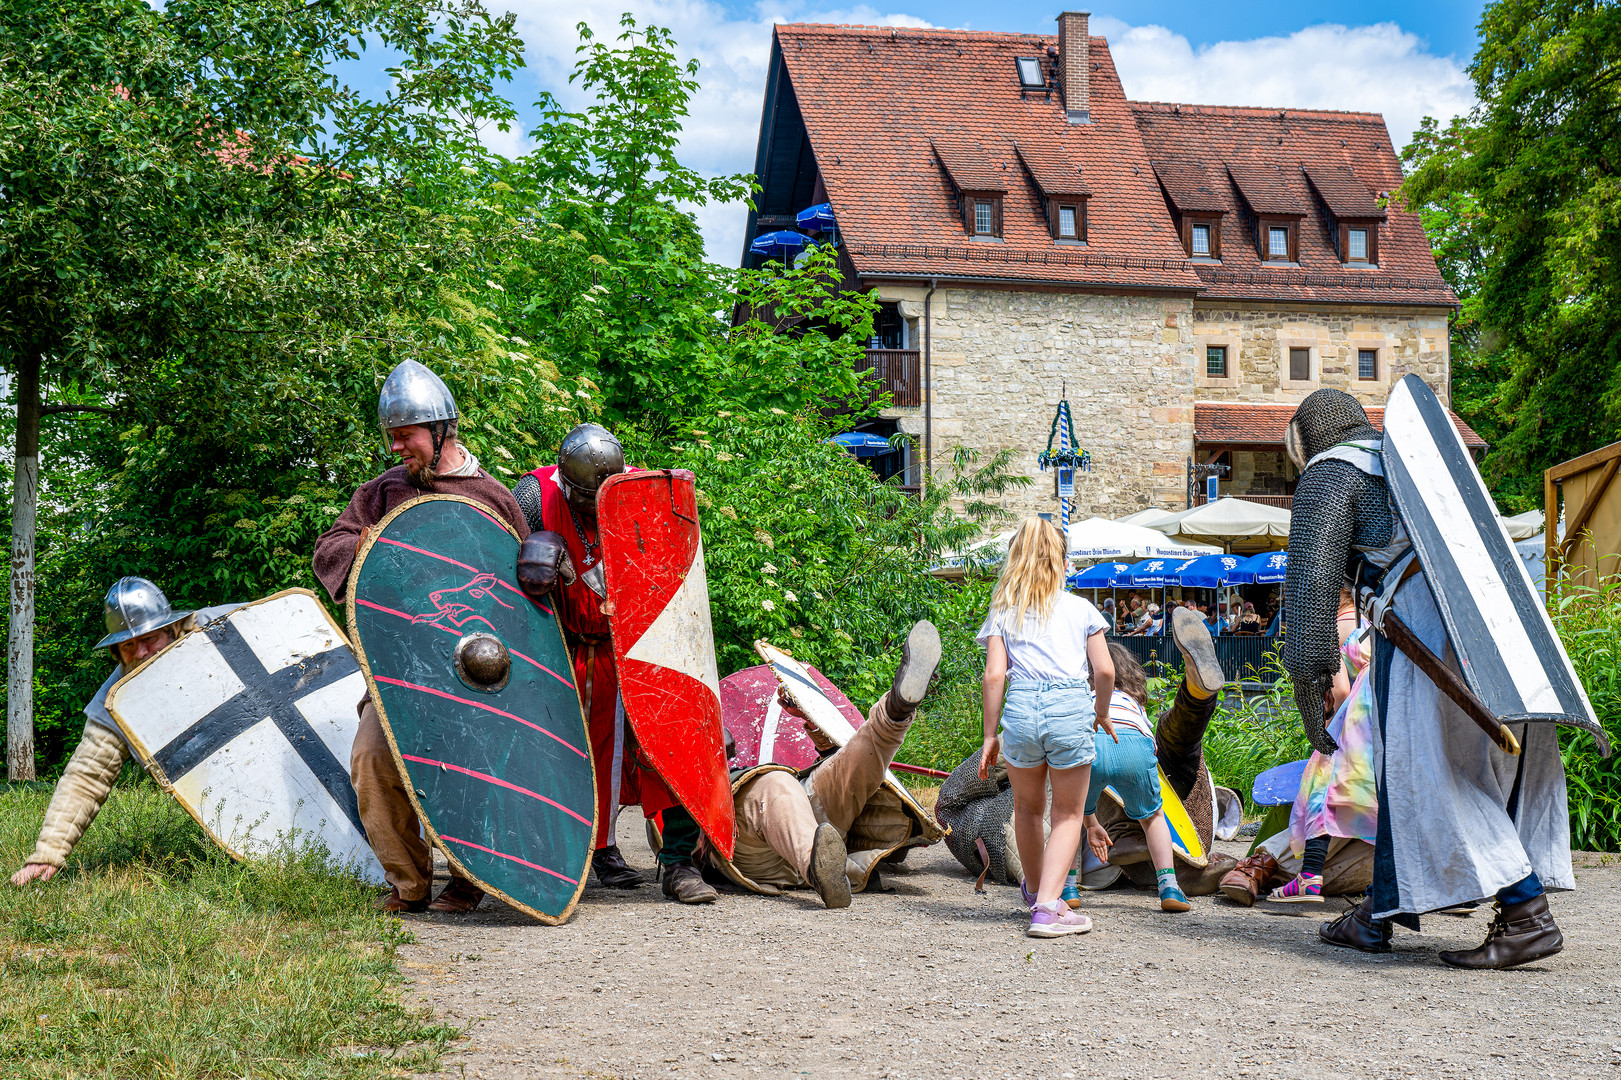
335,549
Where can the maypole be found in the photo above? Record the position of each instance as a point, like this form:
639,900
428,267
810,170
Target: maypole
1064,456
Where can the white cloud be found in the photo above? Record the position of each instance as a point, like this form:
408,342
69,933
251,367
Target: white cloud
1379,68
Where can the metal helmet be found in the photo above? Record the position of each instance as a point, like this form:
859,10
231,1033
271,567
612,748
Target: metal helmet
135,606
413,395
588,456
1323,420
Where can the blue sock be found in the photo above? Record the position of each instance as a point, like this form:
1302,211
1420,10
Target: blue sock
1527,888
1166,879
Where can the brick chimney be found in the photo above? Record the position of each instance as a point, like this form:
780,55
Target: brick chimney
1075,66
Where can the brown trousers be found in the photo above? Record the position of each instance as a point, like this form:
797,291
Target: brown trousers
391,821
777,813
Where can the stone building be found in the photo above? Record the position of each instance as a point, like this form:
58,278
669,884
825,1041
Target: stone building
1182,275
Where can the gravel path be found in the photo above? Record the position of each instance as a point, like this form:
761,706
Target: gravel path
928,979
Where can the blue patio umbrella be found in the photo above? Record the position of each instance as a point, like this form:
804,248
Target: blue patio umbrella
1209,572
1267,568
1100,576
863,443
1152,573
773,244
818,218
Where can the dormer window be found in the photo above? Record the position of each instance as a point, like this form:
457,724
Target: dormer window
1279,239
1063,194
1359,243
1356,249
1030,77
1354,214
1201,236
1068,222
1201,239
985,216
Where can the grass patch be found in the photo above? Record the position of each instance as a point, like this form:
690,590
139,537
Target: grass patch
152,954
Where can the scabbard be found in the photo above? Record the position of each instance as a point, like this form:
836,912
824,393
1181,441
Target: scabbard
1448,682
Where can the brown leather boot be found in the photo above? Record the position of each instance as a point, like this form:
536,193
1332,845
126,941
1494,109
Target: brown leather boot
683,881
459,897
1358,929
392,904
613,872
1251,878
1518,935
827,872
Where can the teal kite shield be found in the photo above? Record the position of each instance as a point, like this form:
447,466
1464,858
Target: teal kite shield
473,685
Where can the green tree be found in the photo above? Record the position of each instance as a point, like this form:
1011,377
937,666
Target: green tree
1525,197
207,236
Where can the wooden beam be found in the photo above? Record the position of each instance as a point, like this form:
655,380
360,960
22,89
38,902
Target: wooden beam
1550,522
1586,461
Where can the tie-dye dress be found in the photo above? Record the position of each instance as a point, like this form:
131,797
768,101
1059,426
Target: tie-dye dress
1337,795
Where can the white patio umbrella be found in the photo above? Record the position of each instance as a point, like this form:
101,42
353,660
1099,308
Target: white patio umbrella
1099,538
1229,518
1147,518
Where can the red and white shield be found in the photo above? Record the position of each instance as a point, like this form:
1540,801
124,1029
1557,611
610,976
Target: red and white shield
664,644
765,735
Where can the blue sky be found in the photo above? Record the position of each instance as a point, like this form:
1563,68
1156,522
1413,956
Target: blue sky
1405,60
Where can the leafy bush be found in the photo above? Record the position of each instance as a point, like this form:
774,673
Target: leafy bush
1588,618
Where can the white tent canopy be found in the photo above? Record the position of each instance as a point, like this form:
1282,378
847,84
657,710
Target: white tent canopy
1099,538
1524,526
1150,518
1228,518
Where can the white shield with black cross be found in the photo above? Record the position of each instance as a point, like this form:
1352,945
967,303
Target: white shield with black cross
249,722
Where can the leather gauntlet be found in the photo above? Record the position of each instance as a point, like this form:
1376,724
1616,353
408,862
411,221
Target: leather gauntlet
543,564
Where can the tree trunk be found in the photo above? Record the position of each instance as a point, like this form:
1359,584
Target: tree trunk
20,655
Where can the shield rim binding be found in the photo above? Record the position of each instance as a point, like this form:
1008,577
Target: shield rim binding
373,534
143,753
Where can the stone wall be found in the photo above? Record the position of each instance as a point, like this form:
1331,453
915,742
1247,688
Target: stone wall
1002,359
1258,338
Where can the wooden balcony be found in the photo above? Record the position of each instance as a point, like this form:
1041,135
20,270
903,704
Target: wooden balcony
900,374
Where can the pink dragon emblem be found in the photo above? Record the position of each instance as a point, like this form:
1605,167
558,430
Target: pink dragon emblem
452,612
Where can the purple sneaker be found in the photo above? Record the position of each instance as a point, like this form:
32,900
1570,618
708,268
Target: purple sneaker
1056,921
1025,893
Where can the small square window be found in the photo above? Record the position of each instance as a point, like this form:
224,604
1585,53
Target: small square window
984,218
1277,242
1030,72
1356,245
1299,365
1066,222
1215,361
1201,239
1367,364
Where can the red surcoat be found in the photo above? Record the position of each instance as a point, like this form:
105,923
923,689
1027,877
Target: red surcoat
579,610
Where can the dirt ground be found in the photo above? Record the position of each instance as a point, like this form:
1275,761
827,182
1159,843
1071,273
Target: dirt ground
928,979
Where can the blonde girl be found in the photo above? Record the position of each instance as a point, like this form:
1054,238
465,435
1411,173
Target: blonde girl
1042,644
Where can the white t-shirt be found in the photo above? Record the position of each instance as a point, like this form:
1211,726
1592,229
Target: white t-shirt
1054,652
1125,710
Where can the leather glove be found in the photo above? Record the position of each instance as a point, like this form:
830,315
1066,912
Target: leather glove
1311,698
543,564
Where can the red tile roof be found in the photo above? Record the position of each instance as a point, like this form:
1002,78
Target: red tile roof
1219,423
896,116
878,104
1351,162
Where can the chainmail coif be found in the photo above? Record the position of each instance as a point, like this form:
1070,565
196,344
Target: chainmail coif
527,492
978,809
1336,507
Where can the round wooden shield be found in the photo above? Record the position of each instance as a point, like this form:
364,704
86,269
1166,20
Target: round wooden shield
473,685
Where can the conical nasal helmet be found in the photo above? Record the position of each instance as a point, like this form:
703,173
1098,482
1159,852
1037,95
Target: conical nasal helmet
413,395
134,606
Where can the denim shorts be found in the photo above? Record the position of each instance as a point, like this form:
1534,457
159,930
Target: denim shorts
1132,769
1048,724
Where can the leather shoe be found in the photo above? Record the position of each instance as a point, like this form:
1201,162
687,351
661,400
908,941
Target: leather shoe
683,882
1253,875
826,871
1358,929
1518,935
392,904
458,898
919,658
612,870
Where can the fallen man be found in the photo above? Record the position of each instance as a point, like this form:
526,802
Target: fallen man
979,812
140,624
829,825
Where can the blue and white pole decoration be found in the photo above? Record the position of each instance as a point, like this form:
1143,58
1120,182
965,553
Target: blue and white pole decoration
1064,455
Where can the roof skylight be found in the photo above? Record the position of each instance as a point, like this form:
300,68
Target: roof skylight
1030,77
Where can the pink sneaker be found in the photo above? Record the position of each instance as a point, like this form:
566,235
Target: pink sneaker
1056,920
1027,894
1302,890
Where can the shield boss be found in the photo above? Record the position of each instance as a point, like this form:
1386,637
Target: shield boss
483,662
